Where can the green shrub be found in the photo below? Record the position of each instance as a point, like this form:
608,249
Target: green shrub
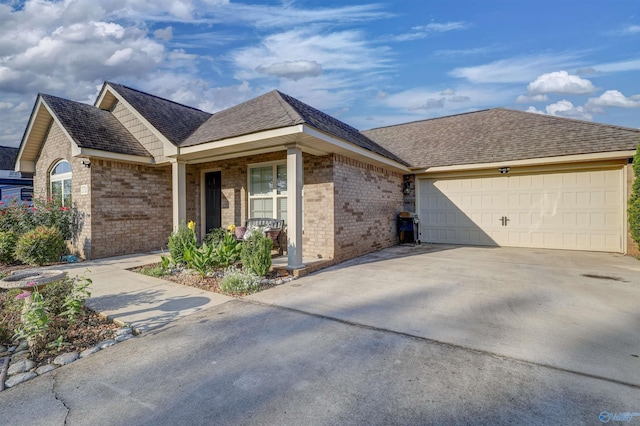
238,281
8,240
214,236
228,250
256,253
152,271
181,239
634,200
39,246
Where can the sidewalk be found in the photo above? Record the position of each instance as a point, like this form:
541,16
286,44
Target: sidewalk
137,300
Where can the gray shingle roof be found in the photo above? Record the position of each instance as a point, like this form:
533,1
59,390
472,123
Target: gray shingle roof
499,134
91,127
8,157
175,121
275,110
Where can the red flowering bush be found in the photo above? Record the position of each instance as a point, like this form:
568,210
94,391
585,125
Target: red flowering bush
40,245
21,218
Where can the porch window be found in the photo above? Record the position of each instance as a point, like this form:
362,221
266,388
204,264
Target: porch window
61,183
268,191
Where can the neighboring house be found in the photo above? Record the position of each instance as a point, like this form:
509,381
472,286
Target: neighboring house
13,185
137,165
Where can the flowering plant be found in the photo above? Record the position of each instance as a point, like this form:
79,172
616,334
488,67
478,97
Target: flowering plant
191,225
232,228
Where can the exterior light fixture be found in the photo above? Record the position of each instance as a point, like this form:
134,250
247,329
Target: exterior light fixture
504,170
86,163
406,187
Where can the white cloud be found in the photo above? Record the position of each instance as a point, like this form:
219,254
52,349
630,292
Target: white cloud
564,108
430,103
294,70
560,82
631,29
165,34
423,31
515,70
119,57
622,66
332,51
535,110
523,99
613,98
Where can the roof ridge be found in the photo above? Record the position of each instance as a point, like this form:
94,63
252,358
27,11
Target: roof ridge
156,96
281,99
432,118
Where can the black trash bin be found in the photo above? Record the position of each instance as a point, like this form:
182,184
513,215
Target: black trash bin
408,228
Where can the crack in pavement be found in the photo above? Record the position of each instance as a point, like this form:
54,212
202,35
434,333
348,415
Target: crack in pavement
58,398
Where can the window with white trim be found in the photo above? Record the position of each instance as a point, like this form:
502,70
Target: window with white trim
60,178
268,191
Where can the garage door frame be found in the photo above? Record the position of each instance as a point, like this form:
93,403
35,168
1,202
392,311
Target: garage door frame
469,172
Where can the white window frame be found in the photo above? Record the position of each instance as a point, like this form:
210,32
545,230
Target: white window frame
61,177
274,193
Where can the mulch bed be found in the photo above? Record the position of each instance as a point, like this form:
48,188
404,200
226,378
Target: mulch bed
209,282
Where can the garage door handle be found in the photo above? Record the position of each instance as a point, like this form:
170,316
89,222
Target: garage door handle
504,220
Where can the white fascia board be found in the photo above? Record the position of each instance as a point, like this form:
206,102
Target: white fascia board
107,155
240,140
25,137
25,166
168,147
354,148
578,158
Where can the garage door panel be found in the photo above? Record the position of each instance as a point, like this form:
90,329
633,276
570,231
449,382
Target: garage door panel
571,210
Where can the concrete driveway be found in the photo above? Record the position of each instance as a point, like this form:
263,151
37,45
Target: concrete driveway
575,311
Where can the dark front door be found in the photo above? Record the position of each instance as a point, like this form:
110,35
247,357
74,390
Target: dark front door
212,200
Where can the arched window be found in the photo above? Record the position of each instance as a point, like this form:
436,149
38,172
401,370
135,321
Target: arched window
61,183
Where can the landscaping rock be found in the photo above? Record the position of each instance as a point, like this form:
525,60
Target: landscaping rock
12,349
20,366
124,330
24,345
45,368
19,378
89,351
65,359
6,353
106,343
3,348
18,355
123,337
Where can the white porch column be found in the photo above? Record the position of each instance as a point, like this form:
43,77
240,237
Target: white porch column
179,192
294,207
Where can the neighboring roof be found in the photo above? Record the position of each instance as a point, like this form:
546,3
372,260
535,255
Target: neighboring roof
275,110
91,127
499,134
7,157
175,121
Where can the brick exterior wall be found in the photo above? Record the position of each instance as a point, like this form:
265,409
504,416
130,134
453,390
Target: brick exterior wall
57,147
141,132
318,238
632,246
368,199
131,210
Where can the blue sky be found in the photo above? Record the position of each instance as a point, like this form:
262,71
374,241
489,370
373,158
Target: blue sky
369,64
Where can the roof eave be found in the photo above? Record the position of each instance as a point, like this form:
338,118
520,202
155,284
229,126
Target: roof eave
575,158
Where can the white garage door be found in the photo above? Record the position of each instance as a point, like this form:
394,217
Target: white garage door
569,210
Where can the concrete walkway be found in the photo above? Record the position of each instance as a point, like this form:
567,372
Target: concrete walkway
138,300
